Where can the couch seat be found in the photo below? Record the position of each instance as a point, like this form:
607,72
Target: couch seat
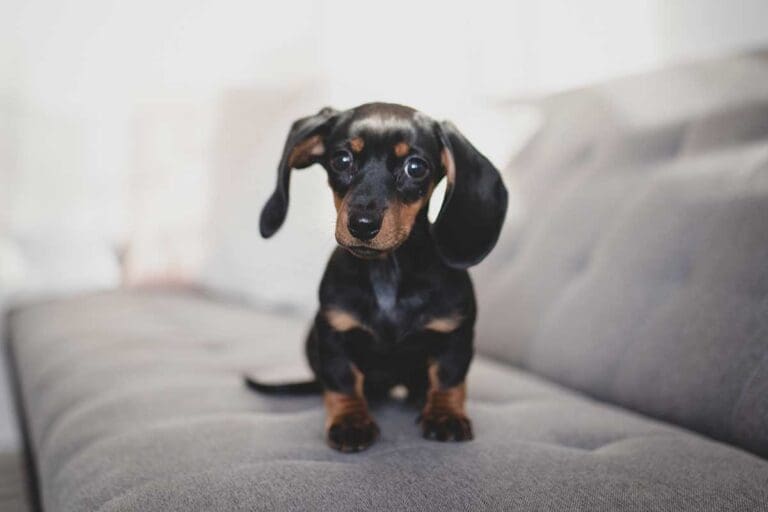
135,401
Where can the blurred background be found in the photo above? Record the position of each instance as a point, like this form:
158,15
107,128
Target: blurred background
139,140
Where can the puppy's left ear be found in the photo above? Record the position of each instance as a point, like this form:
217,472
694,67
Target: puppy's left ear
303,147
475,203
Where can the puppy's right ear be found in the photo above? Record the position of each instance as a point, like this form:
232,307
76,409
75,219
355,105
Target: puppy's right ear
303,147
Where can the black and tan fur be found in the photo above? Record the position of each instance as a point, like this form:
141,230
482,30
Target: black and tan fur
396,301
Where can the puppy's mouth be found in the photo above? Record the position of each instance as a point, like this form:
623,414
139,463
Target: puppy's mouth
364,252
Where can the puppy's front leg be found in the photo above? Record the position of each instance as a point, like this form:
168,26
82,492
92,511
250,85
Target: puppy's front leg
443,417
349,427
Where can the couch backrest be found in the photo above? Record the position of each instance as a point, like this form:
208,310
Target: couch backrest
634,266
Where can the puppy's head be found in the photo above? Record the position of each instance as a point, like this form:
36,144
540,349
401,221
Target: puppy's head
383,161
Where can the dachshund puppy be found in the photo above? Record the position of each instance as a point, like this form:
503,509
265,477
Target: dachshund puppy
396,302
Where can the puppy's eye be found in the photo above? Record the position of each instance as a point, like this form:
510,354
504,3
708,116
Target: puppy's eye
341,160
417,168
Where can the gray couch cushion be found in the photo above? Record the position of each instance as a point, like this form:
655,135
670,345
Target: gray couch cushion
135,402
13,485
640,272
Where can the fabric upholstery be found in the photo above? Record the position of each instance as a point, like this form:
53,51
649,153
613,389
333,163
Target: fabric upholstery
135,402
638,272
13,487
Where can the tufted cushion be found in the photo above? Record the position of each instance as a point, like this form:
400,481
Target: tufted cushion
135,402
639,274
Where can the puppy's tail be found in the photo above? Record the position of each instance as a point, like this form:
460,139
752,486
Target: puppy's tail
310,387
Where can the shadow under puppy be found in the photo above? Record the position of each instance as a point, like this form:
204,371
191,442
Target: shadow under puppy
396,302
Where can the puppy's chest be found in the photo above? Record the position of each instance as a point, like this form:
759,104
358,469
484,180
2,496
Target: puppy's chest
385,287
398,307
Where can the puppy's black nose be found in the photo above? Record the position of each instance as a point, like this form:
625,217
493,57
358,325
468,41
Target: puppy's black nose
364,226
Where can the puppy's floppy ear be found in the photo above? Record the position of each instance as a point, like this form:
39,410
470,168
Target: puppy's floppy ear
303,147
475,203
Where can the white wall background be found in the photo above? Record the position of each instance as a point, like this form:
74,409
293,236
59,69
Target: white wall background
151,129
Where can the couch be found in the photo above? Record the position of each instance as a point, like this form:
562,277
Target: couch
622,344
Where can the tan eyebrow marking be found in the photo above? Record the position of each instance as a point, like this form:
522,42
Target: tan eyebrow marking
357,144
401,149
444,324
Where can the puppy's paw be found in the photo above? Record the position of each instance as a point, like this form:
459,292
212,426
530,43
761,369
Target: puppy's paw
352,433
446,427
